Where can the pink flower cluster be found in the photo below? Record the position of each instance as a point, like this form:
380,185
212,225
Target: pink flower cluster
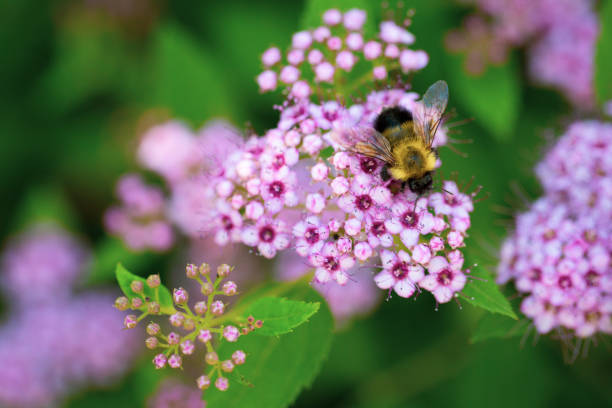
560,36
55,342
204,322
333,49
560,255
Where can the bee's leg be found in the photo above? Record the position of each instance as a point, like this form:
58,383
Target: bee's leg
384,173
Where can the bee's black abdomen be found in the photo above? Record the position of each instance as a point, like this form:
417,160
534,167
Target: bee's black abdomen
421,185
391,117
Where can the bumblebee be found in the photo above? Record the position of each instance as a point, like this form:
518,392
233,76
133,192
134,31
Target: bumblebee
402,140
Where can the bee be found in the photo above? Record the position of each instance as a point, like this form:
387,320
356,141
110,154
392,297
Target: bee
402,140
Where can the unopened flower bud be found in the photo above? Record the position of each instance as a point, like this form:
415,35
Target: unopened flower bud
207,288
130,321
137,286
177,319
151,342
200,308
204,269
221,383
153,329
189,324
173,338
211,358
231,333
187,347
180,296
259,323
203,382
136,303
153,281
239,357
191,271
122,303
175,361
251,319
227,366
159,361
230,288
204,336
223,270
217,307
153,307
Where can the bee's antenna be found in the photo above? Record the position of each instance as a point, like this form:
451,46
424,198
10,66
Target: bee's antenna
458,122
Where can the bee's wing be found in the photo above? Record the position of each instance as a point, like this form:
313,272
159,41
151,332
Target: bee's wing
428,112
364,140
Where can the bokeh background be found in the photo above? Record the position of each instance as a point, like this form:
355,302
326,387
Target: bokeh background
80,82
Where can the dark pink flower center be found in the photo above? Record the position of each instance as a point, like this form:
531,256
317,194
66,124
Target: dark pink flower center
549,234
278,162
227,222
311,235
368,165
331,264
565,282
534,274
451,200
276,189
409,219
267,234
592,278
378,228
445,277
363,202
400,270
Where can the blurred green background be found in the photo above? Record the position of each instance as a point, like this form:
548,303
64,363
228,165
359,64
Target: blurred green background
81,80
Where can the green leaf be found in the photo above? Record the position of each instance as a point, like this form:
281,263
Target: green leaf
160,294
278,367
280,315
493,98
603,55
326,153
483,292
313,12
186,79
492,326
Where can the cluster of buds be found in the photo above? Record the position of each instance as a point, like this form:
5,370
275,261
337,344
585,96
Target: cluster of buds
206,322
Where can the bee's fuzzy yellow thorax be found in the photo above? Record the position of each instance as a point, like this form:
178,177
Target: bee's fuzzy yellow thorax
413,159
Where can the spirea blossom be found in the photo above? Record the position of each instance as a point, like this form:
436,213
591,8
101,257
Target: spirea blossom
560,36
296,191
560,255
200,326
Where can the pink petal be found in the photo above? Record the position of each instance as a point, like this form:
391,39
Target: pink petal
384,280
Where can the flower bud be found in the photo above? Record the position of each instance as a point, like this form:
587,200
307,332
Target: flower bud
191,271
151,342
173,338
130,321
177,319
239,357
204,336
189,324
122,303
207,288
153,307
211,358
136,303
204,269
200,308
259,323
230,288
187,347
180,296
203,382
227,366
222,383
231,333
159,361
153,281
137,286
175,361
153,329
223,270
217,307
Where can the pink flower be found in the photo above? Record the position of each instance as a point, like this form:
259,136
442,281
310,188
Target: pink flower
442,280
354,19
324,72
267,235
331,264
399,273
271,56
332,17
267,81
311,236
